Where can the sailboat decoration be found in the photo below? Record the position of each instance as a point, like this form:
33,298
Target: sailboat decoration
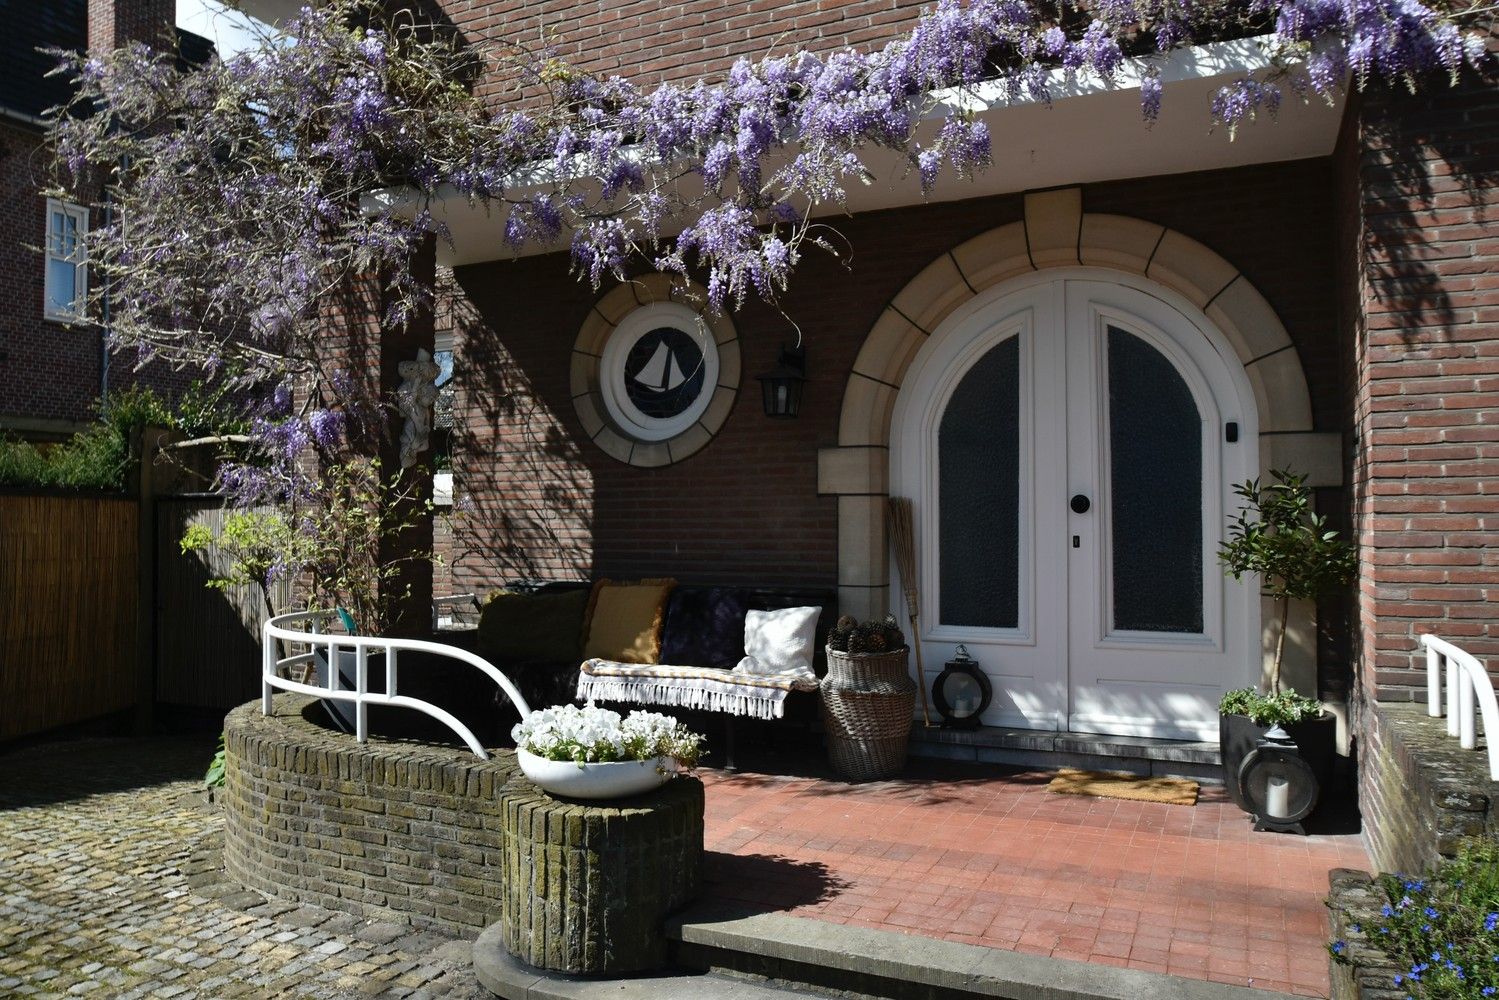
661,373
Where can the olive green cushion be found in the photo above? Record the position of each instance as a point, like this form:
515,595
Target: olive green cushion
546,626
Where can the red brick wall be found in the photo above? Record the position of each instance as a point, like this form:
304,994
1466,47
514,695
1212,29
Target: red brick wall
1427,391
47,370
745,509
649,42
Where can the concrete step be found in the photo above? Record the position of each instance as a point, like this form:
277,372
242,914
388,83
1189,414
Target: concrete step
729,953
1048,749
506,977
799,954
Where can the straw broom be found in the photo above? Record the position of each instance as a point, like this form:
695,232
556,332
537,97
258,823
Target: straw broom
903,537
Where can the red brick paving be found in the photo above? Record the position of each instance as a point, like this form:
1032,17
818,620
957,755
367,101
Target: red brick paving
992,858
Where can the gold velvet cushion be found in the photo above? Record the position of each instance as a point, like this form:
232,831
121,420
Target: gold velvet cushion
624,620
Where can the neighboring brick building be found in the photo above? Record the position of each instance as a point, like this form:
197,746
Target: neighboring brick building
1324,291
52,371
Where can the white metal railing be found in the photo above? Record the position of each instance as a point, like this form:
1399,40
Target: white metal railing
1468,687
284,628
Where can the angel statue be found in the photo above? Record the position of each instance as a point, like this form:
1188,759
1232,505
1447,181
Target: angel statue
414,398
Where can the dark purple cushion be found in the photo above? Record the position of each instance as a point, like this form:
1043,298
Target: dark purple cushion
704,627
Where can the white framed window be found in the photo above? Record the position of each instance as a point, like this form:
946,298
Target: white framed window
658,371
66,284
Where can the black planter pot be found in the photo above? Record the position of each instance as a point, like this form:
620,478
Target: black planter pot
343,715
1317,739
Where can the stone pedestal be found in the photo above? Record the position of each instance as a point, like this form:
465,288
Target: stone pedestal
587,887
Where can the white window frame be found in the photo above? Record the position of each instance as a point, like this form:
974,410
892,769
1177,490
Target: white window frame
79,260
442,482
637,324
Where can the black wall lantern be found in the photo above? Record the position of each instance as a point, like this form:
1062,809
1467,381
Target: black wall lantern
961,692
782,385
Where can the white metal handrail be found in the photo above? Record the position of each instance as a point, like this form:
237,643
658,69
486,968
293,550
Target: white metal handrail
1468,687
314,639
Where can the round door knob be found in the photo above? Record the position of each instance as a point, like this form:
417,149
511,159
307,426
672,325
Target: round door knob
1080,504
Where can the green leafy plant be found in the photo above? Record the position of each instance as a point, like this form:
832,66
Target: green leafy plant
215,776
1279,536
100,457
1281,708
1444,931
341,535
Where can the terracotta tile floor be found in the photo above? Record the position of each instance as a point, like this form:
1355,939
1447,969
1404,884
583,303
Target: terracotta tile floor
990,857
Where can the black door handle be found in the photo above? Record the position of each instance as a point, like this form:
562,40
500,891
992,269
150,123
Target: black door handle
1080,504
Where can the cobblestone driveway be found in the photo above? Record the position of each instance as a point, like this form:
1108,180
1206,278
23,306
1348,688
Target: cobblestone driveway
110,886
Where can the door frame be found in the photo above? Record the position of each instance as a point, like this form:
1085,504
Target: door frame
935,370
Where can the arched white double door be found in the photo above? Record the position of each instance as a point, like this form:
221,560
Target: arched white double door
1070,441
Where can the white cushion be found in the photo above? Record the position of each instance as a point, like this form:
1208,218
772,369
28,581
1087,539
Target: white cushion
780,642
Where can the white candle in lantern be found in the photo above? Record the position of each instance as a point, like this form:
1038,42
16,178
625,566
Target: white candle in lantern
1278,797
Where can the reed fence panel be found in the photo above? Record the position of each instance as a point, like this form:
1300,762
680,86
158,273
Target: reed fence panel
68,602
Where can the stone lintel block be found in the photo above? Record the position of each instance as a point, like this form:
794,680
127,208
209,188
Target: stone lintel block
650,455
1118,241
615,444
1247,320
729,363
931,295
996,256
1281,393
890,347
1190,268
1317,454
856,470
689,442
593,333
722,327
616,304
1053,223
719,407
582,373
861,541
658,287
864,603
867,406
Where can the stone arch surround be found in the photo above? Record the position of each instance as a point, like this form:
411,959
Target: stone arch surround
1056,232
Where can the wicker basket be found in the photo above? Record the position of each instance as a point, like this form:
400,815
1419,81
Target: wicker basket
867,703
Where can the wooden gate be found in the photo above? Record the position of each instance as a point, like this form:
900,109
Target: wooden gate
207,640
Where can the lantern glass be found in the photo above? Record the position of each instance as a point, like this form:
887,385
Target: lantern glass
963,694
781,387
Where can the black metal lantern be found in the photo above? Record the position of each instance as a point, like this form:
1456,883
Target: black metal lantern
961,692
782,385
1278,786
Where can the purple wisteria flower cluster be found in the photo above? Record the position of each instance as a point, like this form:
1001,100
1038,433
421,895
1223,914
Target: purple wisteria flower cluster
240,199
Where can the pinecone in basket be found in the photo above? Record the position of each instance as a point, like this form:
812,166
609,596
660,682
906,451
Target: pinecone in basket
846,623
871,636
894,637
838,639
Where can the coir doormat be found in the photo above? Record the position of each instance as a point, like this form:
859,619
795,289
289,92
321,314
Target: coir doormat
1109,785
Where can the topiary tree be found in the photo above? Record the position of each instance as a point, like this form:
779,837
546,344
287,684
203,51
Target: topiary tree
1280,537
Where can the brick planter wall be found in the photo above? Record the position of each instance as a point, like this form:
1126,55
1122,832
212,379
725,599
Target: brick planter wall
382,830
1367,973
1420,792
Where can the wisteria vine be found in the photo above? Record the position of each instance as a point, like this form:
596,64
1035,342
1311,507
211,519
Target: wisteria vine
238,192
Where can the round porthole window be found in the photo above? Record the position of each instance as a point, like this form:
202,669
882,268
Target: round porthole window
658,371
653,379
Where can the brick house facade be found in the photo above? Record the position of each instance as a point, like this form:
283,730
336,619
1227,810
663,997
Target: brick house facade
1348,266
52,373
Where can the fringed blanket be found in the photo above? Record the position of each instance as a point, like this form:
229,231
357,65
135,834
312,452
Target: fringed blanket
732,691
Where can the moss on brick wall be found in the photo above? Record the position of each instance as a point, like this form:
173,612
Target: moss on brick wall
381,829
1420,792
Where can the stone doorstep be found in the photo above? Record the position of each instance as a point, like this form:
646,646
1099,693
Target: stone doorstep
1043,749
794,956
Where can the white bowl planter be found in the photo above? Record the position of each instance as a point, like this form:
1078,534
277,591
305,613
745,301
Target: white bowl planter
605,780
